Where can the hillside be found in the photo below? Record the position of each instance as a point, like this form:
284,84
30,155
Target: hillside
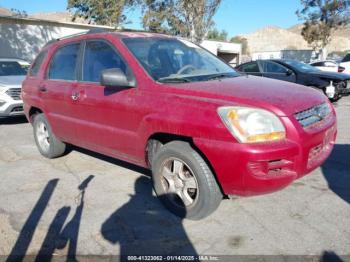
273,38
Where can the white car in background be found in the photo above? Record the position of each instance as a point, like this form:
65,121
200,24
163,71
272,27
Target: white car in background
12,74
345,62
329,66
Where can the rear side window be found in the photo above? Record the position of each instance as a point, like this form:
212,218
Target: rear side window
99,56
37,64
272,67
250,68
63,64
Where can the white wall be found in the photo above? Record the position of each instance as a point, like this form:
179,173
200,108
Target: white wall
226,49
23,38
266,55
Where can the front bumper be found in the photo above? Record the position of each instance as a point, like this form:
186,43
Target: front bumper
254,169
10,107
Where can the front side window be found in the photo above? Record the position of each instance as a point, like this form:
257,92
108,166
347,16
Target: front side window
98,57
252,67
11,68
271,67
170,59
37,64
63,63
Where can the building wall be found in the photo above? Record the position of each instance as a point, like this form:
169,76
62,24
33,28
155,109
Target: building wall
266,55
230,52
23,38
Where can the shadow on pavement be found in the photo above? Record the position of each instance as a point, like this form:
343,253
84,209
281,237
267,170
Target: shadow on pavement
58,236
111,160
143,226
25,237
330,256
13,120
336,170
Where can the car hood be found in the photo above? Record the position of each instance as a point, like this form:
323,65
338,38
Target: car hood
331,75
11,80
282,98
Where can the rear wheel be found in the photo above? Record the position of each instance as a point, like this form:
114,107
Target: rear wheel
48,144
184,182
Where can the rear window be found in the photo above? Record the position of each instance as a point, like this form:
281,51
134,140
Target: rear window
37,64
317,64
11,68
63,63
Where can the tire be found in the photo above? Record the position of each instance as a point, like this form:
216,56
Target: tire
177,170
48,144
336,96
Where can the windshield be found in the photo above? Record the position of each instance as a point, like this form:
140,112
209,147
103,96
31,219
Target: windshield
302,67
177,60
11,69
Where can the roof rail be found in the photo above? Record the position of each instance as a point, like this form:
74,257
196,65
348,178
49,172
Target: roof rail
90,31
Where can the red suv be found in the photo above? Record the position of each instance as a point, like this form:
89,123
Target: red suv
169,105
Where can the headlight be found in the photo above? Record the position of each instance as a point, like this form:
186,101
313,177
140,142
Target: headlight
250,125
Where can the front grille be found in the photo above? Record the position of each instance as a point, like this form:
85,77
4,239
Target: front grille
17,109
15,93
313,115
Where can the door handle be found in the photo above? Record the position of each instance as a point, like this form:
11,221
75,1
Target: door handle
75,96
42,89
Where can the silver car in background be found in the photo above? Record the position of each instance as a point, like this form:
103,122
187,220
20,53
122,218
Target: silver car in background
12,74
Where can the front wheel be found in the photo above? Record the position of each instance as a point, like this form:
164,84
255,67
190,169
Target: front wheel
184,182
334,95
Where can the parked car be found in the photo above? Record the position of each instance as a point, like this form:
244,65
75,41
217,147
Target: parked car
165,103
334,85
345,62
329,66
12,74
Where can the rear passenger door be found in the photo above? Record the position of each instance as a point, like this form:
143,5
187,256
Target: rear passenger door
275,70
251,68
103,113
56,89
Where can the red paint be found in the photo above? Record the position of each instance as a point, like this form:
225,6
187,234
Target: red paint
120,124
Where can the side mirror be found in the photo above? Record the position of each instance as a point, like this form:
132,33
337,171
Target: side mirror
114,77
289,72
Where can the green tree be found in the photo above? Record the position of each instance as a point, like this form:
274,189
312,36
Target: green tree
187,18
19,13
217,35
321,18
243,41
103,12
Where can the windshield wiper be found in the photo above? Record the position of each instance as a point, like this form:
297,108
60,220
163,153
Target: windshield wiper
218,76
174,80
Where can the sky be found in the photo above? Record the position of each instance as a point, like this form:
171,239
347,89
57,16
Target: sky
233,16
